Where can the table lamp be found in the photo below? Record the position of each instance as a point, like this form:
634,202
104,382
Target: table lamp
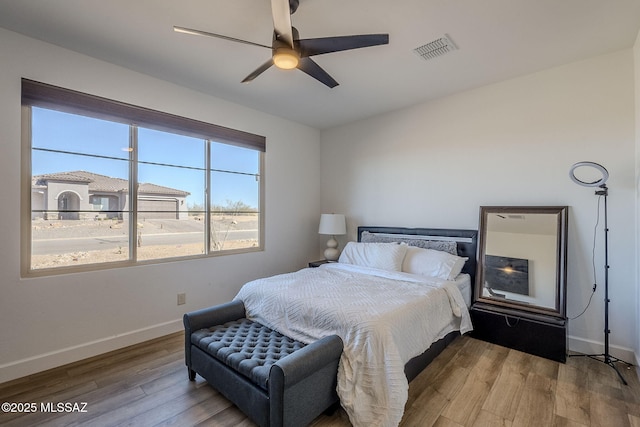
333,225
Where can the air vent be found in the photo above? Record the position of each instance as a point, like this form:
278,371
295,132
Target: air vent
515,216
511,216
435,48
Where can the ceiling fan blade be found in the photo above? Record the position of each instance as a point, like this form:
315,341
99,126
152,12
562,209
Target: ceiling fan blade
220,36
310,47
282,21
314,70
261,69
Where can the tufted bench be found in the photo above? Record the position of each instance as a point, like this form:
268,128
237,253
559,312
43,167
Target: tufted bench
273,379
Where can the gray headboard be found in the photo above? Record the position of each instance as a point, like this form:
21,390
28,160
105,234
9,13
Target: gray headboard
467,241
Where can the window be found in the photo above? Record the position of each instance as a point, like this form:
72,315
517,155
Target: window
111,183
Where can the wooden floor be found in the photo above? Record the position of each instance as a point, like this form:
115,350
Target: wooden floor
472,383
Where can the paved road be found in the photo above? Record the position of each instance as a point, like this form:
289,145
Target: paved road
71,244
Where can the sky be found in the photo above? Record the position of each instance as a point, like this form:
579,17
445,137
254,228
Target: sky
176,161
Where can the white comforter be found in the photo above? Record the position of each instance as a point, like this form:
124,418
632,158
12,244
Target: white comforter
383,318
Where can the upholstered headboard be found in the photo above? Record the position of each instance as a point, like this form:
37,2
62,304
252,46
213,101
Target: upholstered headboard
466,240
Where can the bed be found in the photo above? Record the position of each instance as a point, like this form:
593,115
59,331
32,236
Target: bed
392,322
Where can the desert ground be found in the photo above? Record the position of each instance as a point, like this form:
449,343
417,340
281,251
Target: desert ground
72,242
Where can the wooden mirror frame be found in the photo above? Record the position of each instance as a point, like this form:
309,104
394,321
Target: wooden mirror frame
561,212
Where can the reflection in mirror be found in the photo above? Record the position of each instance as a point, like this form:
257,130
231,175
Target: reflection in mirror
522,258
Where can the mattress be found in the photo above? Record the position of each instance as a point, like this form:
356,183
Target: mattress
463,282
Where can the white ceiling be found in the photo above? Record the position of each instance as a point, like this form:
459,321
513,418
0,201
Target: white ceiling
497,40
518,223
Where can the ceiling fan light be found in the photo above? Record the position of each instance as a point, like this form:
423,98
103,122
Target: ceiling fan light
286,58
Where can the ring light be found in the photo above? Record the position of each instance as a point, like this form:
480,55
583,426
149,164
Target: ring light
599,182
605,357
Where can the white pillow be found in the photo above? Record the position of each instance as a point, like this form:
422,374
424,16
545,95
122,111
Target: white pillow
385,256
432,263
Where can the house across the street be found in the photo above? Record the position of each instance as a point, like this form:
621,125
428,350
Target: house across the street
86,195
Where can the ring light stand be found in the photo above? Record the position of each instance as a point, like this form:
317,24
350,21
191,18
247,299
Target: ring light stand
604,191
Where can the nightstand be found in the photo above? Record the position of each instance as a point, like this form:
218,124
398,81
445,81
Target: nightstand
314,264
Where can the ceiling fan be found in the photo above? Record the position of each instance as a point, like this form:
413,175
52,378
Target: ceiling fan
288,51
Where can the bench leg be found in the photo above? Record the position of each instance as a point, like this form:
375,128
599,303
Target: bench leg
192,374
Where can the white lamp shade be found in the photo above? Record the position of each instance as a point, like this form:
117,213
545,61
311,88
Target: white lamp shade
333,224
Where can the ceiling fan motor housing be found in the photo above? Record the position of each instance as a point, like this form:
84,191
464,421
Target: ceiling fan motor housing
294,32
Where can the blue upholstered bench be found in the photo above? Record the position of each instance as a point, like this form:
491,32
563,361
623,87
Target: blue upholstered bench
273,379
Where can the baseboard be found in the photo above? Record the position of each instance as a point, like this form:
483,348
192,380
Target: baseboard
583,346
42,362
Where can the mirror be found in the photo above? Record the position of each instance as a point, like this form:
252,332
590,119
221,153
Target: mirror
522,258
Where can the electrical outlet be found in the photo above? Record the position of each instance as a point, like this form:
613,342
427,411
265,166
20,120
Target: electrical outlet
182,299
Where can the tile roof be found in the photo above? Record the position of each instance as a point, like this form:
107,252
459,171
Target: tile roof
99,182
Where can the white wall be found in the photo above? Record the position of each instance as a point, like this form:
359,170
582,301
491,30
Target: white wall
540,251
55,320
511,143
636,55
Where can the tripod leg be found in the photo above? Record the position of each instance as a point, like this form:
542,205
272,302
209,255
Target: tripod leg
607,360
617,372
